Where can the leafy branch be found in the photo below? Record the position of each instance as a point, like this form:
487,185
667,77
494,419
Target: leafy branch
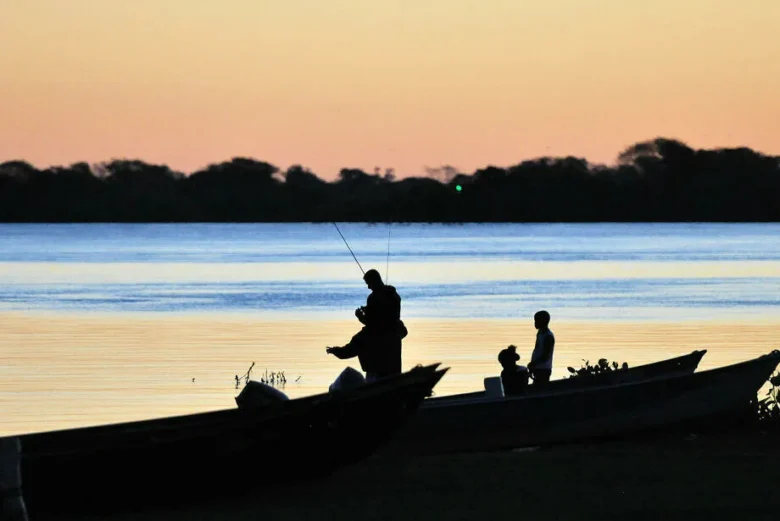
603,366
768,408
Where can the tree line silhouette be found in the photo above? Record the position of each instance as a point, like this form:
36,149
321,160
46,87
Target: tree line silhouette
653,181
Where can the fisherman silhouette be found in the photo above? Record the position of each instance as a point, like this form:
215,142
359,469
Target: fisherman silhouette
378,344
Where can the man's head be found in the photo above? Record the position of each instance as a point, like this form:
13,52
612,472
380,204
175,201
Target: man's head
541,319
373,279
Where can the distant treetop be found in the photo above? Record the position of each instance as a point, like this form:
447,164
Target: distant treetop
658,180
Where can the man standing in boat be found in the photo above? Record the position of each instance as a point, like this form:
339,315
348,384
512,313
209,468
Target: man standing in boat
378,344
540,365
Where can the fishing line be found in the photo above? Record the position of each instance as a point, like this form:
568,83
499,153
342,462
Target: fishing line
350,249
387,268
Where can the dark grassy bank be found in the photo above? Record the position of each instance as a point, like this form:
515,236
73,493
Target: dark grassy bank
703,478
722,468
661,180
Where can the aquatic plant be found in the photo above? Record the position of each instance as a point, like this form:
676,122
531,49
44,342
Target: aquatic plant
603,366
244,377
273,378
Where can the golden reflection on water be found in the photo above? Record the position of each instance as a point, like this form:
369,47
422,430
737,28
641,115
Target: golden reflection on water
60,371
430,271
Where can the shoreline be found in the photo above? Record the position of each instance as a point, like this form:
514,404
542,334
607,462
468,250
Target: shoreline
671,478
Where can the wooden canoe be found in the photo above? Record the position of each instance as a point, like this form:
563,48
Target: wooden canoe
679,365
225,451
584,414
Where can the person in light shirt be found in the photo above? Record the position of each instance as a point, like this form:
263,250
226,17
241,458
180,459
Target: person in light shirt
541,362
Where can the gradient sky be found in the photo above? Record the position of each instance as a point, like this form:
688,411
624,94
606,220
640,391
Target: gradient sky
364,83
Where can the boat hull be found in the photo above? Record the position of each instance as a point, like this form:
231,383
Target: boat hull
183,458
585,414
680,365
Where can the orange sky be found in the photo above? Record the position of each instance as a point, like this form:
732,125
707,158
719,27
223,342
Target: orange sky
363,83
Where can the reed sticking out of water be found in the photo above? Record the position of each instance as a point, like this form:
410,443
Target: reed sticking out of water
245,376
274,378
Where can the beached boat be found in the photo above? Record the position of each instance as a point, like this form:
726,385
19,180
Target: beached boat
221,451
583,414
679,365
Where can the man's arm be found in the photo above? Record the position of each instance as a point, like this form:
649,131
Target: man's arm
348,351
532,363
369,311
360,313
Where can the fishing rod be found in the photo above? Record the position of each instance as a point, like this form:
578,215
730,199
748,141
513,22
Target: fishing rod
350,249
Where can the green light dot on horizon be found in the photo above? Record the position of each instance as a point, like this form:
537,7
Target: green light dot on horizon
458,188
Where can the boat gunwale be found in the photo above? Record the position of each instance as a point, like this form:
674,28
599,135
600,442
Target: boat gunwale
586,382
708,373
236,418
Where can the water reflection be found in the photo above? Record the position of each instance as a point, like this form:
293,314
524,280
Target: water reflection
69,370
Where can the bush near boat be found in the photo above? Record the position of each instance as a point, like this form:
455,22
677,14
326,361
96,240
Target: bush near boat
603,366
768,408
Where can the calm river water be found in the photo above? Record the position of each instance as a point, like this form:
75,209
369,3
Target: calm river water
113,322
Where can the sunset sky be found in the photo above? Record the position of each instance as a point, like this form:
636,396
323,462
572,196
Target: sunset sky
398,84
